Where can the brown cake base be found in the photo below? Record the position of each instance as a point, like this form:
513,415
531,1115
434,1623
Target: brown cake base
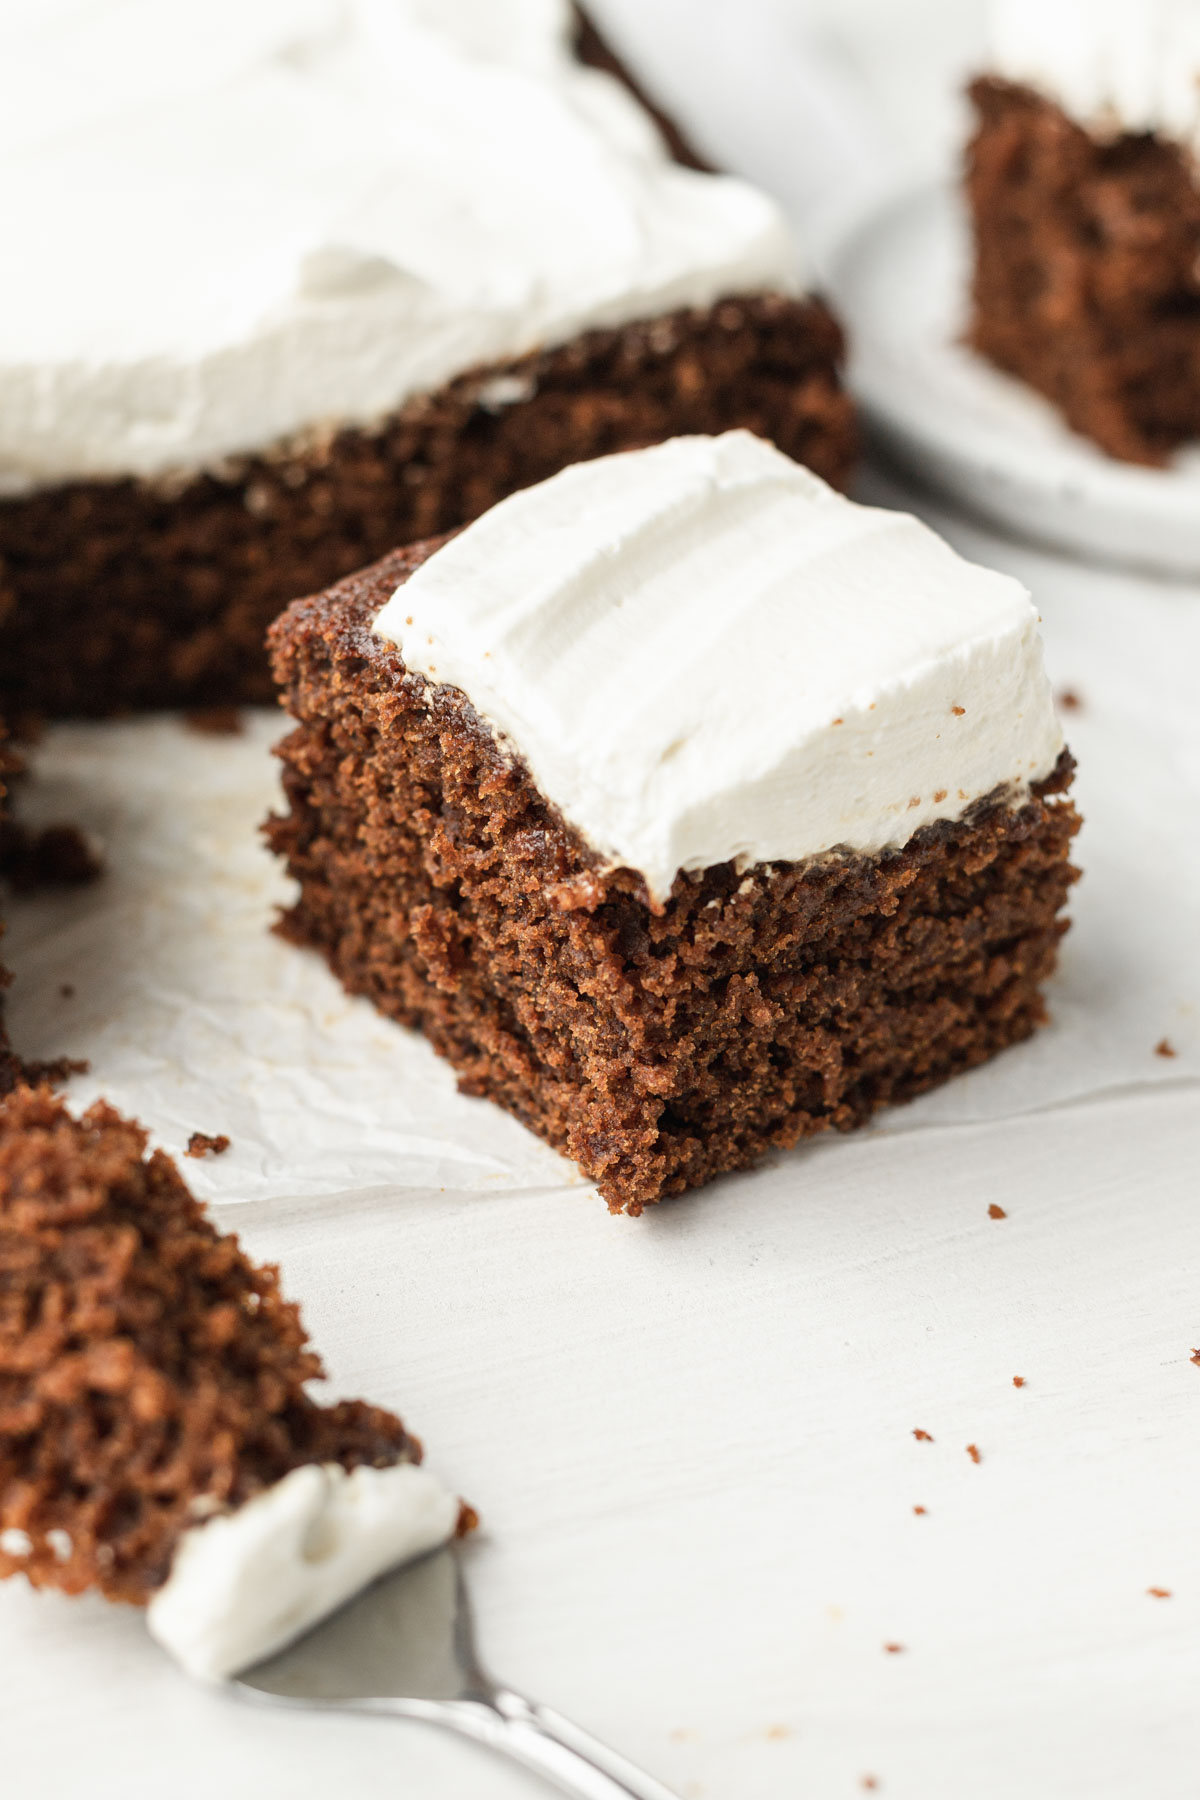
127,594
150,1374
657,1048
1087,271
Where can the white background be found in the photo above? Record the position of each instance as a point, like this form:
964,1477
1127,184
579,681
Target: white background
691,1436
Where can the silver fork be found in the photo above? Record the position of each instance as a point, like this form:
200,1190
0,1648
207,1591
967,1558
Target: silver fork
404,1648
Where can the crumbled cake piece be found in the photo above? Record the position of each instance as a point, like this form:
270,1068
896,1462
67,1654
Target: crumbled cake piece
49,856
201,1144
151,1376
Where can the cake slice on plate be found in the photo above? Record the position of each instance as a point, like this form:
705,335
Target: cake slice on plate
687,806
1084,190
157,1439
405,259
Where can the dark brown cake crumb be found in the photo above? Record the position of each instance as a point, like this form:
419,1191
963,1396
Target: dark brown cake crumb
922,1437
215,721
996,1212
1069,701
150,1374
974,1452
200,1144
656,1045
1195,1357
1165,1047
54,856
53,1071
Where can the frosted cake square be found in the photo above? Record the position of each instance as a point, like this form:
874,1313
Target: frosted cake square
688,807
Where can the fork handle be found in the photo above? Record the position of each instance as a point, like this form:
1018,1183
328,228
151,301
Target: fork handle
562,1753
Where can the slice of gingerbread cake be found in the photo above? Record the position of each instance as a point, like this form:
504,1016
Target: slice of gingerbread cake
158,1442
405,259
687,806
1083,182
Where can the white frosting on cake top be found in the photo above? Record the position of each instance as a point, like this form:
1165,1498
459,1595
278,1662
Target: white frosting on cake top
701,653
1112,65
222,221
244,1584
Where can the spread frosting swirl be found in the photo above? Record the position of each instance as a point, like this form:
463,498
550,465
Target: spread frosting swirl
702,653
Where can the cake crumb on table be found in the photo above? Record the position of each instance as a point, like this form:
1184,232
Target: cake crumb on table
974,1452
923,1437
996,1212
201,1144
1159,1593
1069,701
894,1649
920,1511
1195,1357
1018,1381
1165,1047
215,721
54,856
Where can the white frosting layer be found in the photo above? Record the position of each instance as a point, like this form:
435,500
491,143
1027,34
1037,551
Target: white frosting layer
225,220
701,652
1113,65
244,1584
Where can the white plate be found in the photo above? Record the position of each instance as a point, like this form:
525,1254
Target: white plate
900,281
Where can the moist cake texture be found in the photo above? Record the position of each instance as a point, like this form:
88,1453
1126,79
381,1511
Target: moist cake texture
1085,204
152,1378
661,1034
186,453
